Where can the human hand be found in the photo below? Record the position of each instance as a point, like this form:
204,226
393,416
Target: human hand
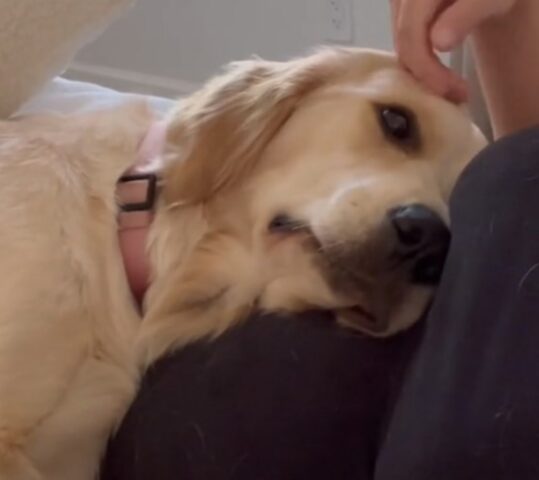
423,27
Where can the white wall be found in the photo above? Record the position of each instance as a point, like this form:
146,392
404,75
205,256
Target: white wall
170,46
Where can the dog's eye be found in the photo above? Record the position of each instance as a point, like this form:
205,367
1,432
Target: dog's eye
399,125
282,223
396,122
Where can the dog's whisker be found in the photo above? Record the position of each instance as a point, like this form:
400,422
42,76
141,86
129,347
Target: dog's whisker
325,247
300,226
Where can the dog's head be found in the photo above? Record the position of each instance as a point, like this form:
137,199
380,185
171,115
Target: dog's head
331,174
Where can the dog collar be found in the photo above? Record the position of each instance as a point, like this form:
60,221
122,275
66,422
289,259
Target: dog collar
136,193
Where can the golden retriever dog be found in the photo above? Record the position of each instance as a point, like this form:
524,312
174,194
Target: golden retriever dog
317,183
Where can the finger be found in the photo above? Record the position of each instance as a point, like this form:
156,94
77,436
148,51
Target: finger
459,19
394,6
413,18
415,50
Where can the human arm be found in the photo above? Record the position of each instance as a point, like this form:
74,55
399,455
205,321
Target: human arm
506,43
507,56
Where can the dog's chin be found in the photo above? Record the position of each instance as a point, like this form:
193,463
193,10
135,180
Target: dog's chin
385,319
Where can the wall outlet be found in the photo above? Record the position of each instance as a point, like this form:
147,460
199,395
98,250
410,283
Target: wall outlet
338,15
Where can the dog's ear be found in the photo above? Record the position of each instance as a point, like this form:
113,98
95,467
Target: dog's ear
216,135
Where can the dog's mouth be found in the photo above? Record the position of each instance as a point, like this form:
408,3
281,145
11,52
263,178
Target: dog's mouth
360,318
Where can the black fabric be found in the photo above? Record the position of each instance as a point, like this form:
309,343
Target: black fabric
299,399
275,399
470,406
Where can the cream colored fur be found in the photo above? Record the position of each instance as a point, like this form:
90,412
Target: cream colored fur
67,322
38,39
300,137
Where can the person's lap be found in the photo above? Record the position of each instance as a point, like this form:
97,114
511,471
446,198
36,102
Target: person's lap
469,406
277,398
299,398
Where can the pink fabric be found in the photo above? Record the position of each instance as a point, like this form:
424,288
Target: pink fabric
151,147
132,235
133,227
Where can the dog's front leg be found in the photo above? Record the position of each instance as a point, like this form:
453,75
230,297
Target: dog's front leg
217,287
40,353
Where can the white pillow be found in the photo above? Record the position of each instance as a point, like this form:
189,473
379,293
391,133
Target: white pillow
39,37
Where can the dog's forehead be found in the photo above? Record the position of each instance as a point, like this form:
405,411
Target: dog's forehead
386,82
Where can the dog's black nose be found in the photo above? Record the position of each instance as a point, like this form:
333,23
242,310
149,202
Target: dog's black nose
423,238
418,227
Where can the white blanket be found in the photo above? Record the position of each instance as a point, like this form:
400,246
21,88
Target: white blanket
66,96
